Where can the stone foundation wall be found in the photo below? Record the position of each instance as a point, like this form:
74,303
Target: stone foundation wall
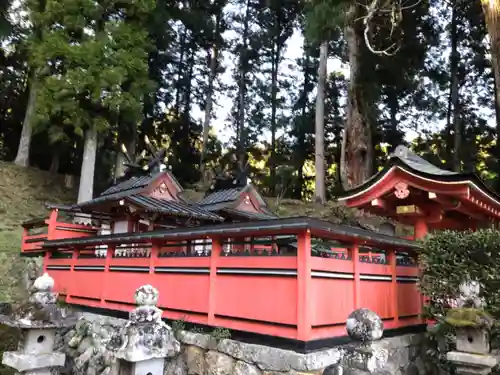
203,354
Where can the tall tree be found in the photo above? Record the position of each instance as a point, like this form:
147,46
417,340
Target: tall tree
97,57
358,153
491,9
319,134
324,19
454,121
36,73
213,54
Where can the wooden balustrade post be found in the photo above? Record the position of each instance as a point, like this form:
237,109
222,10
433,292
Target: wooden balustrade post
357,286
52,224
212,290
110,251
423,299
46,258
25,234
74,260
155,251
304,307
394,287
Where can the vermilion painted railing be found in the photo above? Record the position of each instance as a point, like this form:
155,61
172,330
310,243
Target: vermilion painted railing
295,290
36,232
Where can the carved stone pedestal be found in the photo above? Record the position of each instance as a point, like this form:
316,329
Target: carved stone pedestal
147,340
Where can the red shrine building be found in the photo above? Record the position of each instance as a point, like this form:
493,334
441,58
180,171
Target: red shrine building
412,191
229,261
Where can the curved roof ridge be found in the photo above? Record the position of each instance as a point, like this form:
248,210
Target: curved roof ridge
418,163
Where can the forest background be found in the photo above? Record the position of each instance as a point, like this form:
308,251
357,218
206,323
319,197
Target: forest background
314,94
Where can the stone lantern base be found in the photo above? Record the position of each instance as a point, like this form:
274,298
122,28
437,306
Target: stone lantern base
472,364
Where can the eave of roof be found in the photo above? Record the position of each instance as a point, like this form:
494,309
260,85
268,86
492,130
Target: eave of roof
452,177
111,197
172,208
249,214
261,228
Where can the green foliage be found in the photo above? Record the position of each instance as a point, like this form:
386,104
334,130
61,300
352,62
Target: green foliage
220,333
324,18
178,326
94,59
216,334
450,258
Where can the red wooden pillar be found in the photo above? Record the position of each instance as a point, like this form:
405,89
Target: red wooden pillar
214,259
24,238
394,287
46,258
130,223
420,228
304,306
110,252
74,261
155,252
51,235
52,224
357,287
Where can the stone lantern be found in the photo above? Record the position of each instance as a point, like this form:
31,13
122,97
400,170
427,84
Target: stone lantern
146,340
38,319
472,325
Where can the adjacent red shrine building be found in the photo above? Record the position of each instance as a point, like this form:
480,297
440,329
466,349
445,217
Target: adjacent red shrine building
412,191
229,261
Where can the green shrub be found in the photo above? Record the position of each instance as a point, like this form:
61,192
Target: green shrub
447,260
450,258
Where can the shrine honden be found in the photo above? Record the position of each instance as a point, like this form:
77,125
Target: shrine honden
229,261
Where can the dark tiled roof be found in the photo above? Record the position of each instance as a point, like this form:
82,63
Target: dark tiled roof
416,162
110,197
250,215
262,228
173,208
135,182
221,196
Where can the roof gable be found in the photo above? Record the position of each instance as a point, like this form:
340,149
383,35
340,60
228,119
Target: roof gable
137,185
232,201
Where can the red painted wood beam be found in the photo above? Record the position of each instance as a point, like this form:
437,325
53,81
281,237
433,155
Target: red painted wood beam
480,203
394,286
304,307
110,251
398,175
452,205
212,289
357,286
